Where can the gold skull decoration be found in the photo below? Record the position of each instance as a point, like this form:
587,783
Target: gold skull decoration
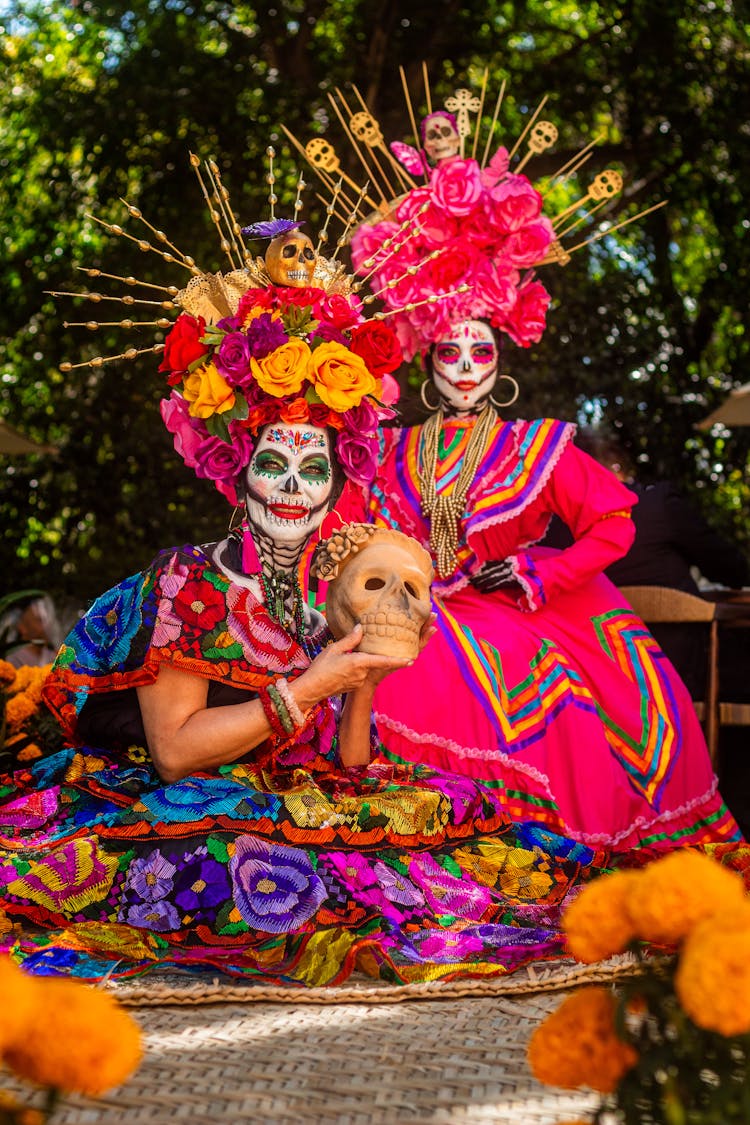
365,128
290,259
606,184
543,136
379,578
322,155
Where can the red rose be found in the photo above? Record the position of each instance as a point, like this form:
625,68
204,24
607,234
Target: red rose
322,415
199,604
377,345
183,345
253,299
340,312
304,295
261,415
296,411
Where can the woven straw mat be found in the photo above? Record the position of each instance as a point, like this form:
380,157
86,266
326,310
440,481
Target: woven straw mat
358,1058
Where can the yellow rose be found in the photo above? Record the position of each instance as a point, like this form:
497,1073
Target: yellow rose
598,923
207,392
283,371
578,1045
713,977
340,377
676,892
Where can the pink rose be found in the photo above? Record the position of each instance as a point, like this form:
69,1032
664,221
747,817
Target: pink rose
453,266
495,292
208,456
496,169
357,454
528,246
456,186
435,226
514,203
338,311
367,243
526,322
389,394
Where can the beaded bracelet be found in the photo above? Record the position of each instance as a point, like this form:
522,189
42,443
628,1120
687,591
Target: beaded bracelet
284,717
295,713
271,713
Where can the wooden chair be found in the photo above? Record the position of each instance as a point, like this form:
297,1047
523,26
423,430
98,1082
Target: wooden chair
657,605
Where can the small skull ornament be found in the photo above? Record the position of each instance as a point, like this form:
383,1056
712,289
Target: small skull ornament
365,128
384,584
543,136
606,184
290,259
322,155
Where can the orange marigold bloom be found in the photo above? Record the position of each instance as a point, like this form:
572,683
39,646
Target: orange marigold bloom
18,710
674,893
83,1040
598,923
713,977
19,993
577,1045
7,674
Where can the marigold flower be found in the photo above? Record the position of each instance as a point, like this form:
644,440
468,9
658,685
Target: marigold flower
7,674
340,377
671,895
598,923
713,977
19,993
18,710
207,392
577,1044
83,1040
282,372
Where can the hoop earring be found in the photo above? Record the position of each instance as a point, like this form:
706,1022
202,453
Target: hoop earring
425,403
514,396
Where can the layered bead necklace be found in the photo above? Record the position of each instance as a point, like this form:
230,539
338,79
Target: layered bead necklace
445,509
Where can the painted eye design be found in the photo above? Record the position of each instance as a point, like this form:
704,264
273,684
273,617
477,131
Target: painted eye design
448,353
318,470
483,352
269,463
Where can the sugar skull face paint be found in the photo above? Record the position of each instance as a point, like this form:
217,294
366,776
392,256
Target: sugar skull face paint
289,482
464,365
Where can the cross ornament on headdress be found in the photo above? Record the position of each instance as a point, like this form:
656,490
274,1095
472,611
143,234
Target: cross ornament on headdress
460,104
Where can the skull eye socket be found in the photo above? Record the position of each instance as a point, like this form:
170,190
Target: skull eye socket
374,584
446,131
411,590
289,251
309,254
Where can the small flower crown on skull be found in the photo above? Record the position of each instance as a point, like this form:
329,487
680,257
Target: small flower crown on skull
281,338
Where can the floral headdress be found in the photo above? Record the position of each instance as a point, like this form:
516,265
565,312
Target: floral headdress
465,242
245,351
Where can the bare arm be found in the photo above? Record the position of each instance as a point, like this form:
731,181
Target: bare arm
184,735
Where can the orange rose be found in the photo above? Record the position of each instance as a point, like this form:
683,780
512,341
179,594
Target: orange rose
340,377
207,392
283,371
297,411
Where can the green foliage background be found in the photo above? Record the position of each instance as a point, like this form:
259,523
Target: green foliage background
104,100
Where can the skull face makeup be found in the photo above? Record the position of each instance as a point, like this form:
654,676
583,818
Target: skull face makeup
385,586
290,259
464,365
289,482
440,137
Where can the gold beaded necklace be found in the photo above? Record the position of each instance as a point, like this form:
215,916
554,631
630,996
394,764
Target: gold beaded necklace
446,509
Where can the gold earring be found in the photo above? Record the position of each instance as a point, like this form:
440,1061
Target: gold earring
427,405
237,508
514,396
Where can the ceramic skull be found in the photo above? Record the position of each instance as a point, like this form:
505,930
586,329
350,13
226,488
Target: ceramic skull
290,259
384,584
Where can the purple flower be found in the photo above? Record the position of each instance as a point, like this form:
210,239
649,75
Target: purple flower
160,916
327,332
357,454
151,877
353,870
444,945
201,884
264,335
396,887
229,324
446,894
232,358
362,420
275,887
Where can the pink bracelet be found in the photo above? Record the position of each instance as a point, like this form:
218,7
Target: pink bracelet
295,714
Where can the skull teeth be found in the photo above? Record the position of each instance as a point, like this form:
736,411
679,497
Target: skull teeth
387,623
297,275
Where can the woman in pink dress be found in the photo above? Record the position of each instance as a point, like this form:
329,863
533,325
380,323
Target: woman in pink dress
540,679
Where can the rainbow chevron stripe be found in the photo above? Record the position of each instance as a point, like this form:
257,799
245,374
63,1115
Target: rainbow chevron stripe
520,713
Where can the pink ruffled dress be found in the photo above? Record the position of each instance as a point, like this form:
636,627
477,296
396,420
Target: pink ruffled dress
550,688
